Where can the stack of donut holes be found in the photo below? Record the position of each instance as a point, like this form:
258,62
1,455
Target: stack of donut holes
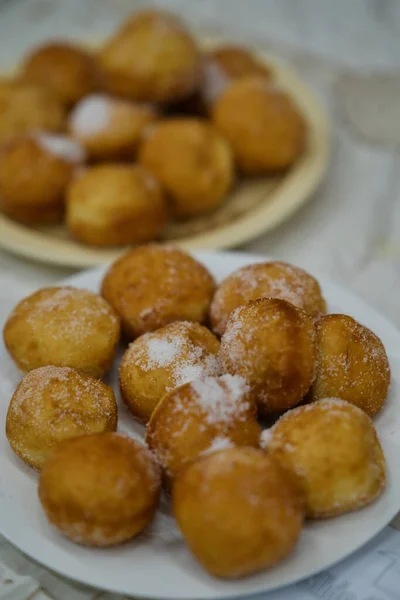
148,128
257,406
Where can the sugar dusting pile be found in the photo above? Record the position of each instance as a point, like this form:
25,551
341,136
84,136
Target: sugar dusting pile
215,80
175,351
61,146
222,399
92,115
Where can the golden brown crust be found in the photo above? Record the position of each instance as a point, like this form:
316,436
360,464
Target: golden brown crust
192,161
154,285
25,107
352,364
270,279
271,343
65,327
238,510
110,128
237,62
53,404
115,205
68,70
33,181
331,447
166,65
199,417
100,490
158,362
263,126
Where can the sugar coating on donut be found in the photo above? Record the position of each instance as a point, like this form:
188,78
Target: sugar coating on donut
352,363
33,385
215,80
92,115
284,439
52,404
60,300
219,443
276,280
184,360
61,146
222,400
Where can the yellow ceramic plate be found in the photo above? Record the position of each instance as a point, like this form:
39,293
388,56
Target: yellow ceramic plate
253,208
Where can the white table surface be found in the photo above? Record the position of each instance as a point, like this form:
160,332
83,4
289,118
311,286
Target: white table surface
350,54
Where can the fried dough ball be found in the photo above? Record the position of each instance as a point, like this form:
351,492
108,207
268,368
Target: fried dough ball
193,162
269,279
352,364
158,362
271,343
262,124
238,510
201,416
100,490
65,327
68,70
332,449
35,171
224,65
152,57
109,128
115,205
25,107
53,404
157,284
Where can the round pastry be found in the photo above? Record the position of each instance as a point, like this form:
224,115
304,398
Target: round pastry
100,490
154,285
25,107
263,126
115,205
271,343
270,279
224,65
201,416
68,70
65,327
192,161
332,449
53,404
352,364
109,128
35,171
153,57
158,362
238,510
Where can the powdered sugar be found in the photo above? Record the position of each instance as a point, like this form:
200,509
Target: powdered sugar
91,116
175,350
218,443
162,352
222,399
61,146
265,438
215,80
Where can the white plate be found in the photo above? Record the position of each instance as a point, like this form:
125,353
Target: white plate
158,565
